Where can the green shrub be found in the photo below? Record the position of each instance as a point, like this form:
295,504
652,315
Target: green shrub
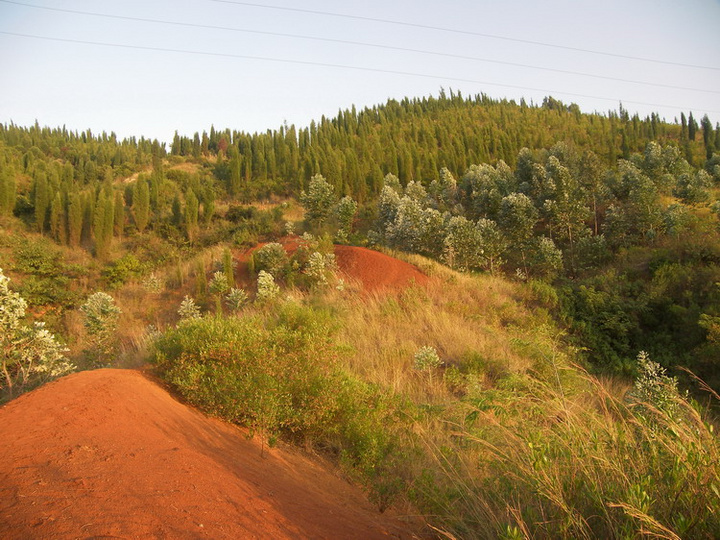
101,317
278,374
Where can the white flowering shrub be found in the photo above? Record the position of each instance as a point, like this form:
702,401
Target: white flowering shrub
29,354
320,268
101,318
188,310
236,299
654,391
267,289
427,359
219,283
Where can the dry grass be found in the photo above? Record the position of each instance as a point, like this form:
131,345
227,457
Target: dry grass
459,315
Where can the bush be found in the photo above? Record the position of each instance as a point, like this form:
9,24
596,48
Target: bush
29,355
279,375
271,258
101,317
267,289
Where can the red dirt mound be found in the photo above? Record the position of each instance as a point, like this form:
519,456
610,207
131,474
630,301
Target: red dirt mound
376,270
109,453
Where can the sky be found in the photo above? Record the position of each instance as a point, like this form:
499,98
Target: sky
152,67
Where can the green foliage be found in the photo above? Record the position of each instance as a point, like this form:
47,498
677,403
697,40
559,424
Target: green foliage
280,376
188,310
654,391
141,204
47,277
101,318
318,201
29,355
219,284
267,289
427,359
236,299
122,270
271,258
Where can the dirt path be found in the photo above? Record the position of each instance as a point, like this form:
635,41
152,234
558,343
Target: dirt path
110,454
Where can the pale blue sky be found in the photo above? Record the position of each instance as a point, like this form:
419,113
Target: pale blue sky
138,91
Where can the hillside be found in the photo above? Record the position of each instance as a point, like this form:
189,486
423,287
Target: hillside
481,310
109,453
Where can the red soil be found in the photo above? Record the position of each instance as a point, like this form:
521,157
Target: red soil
375,271
110,454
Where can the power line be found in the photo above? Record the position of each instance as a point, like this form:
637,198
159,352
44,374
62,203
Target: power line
358,43
337,66
465,32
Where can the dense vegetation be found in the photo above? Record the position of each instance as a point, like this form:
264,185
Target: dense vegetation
561,243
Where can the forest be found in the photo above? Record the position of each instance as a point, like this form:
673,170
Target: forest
600,230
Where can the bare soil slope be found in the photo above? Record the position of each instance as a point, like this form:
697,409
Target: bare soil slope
110,454
375,271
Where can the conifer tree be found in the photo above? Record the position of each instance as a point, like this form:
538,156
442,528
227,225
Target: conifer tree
119,218
75,219
141,205
692,127
58,219
708,136
191,215
42,200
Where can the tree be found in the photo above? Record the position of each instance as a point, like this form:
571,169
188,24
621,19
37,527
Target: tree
57,219
141,205
492,242
692,127
267,289
463,249
101,318
192,207
318,201
42,200
188,310
28,354
708,136
75,219
517,220
345,211
119,217
103,225
8,192
229,267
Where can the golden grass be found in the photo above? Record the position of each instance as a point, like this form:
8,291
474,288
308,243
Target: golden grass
458,315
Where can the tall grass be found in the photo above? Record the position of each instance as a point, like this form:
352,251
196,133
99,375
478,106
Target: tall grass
506,439
548,466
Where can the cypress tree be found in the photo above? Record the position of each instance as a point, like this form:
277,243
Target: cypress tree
708,136
141,205
692,127
119,218
42,200
57,219
191,215
75,219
